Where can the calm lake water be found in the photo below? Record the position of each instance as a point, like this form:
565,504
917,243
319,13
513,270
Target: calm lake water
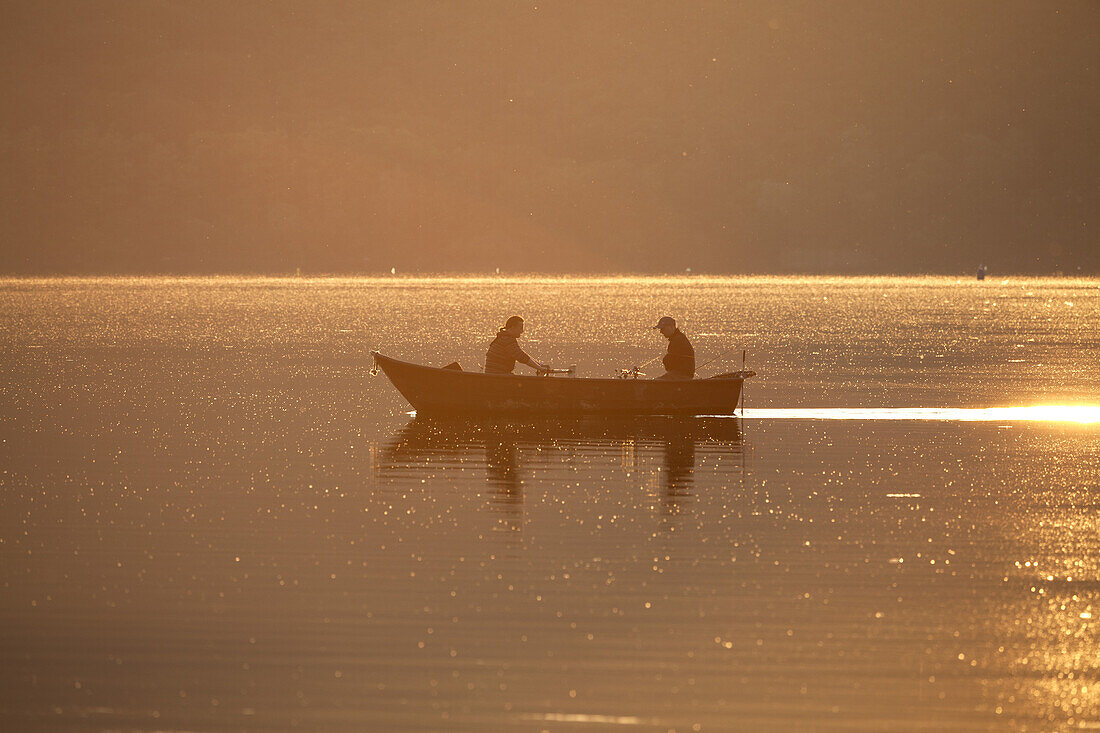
212,518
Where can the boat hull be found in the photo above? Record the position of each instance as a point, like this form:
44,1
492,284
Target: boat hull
431,390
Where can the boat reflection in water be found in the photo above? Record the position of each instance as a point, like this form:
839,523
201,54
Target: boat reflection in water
601,457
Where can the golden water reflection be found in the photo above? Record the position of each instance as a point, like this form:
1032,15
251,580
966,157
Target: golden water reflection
512,451
213,519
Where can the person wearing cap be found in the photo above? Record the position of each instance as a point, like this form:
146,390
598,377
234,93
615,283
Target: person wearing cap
504,351
679,361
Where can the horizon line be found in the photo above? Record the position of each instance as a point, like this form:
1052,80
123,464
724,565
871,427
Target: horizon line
537,275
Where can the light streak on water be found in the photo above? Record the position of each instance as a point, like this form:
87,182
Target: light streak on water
1084,414
583,718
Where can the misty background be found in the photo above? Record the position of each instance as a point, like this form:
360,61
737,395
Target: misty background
248,137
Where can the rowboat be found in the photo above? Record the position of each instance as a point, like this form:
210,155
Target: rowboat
433,390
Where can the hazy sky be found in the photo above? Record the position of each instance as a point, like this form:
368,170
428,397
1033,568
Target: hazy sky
167,136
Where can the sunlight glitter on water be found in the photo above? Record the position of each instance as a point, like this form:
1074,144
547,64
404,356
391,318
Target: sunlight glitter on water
213,518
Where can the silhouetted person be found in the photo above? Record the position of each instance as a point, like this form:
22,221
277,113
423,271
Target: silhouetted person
504,352
981,272
679,361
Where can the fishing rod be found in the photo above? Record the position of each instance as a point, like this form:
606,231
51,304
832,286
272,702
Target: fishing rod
743,374
743,352
734,348
635,372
